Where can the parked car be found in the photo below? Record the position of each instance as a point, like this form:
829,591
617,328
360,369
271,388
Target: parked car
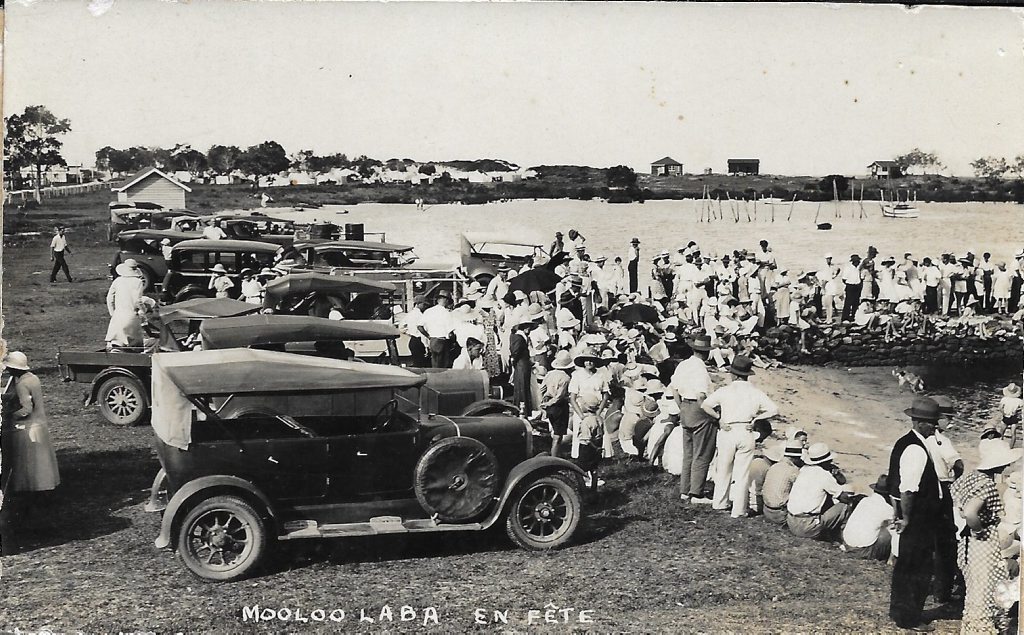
189,271
447,391
119,379
317,294
145,247
481,254
141,215
255,227
388,262
342,453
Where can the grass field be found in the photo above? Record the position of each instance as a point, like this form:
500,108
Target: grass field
643,562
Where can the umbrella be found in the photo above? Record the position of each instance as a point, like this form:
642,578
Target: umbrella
539,279
633,313
304,283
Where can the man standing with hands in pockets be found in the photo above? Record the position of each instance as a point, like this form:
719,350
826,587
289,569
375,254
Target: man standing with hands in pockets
736,406
58,250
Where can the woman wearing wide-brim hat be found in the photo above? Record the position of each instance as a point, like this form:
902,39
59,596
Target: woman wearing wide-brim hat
33,462
519,356
220,282
589,392
976,497
123,297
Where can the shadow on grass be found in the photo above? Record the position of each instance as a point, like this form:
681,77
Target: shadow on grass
94,486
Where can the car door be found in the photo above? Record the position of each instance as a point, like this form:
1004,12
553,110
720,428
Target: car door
374,465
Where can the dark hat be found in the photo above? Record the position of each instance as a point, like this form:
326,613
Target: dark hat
558,234
924,409
742,366
635,241
882,486
701,343
945,404
589,355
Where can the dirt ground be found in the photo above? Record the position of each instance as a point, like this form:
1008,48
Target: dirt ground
643,561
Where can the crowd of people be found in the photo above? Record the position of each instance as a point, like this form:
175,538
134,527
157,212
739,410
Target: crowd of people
613,372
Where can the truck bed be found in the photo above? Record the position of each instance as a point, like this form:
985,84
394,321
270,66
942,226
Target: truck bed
83,366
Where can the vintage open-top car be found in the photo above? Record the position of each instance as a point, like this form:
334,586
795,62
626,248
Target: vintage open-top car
342,453
482,254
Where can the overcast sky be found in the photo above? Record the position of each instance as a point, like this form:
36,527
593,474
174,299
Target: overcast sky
807,89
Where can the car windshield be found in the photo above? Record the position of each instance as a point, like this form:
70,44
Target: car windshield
504,249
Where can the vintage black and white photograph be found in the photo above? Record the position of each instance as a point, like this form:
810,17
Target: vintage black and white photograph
511,317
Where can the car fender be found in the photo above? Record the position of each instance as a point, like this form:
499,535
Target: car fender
530,468
114,371
181,501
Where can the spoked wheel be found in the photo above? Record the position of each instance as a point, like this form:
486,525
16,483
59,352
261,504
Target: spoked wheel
122,401
222,539
545,513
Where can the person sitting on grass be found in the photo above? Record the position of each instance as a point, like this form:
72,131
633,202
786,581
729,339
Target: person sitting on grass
778,482
818,504
868,533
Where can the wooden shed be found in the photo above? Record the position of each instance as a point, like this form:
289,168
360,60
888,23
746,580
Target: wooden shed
150,185
886,169
666,167
744,166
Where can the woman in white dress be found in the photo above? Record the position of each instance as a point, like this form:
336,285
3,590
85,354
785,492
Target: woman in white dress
125,327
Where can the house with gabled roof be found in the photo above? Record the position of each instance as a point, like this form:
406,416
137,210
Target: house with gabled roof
150,185
886,170
666,167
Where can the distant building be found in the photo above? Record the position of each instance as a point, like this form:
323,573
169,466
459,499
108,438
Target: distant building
886,169
666,167
53,175
150,185
744,166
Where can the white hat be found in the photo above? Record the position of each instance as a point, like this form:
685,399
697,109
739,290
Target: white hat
775,453
165,241
668,406
16,360
126,270
565,319
828,255
818,453
219,268
654,386
997,454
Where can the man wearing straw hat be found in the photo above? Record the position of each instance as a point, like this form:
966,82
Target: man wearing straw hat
736,406
778,482
692,384
917,499
809,514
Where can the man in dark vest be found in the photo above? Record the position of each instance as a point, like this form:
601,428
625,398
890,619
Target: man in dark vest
914,488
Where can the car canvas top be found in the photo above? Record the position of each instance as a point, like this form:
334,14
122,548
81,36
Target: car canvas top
252,330
227,245
157,234
201,308
364,245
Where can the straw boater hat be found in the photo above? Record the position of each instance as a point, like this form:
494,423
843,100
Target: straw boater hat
700,343
818,454
562,361
267,273
793,450
1013,390
669,337
534,315
996,455
219,268
588,354
742,366
924,409
16,360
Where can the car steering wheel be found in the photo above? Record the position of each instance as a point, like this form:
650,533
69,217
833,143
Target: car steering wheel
384,416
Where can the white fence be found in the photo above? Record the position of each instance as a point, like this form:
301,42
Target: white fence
55,192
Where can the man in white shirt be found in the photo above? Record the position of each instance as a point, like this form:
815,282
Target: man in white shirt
58,250
410,325
736,406
436,325
808,513
932,278
471,357
851,277
917,499
692,384
948,267
497,288
949,467
214,232
868,533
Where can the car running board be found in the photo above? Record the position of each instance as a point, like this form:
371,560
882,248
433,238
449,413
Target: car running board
378,525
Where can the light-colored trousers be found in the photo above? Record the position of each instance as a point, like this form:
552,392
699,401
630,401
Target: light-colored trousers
735,445
945,295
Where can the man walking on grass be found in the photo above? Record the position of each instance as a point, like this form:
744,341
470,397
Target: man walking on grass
58,250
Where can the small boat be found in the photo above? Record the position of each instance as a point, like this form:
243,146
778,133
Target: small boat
769,200
899,210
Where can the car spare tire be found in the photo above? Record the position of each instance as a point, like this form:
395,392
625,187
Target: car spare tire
456,479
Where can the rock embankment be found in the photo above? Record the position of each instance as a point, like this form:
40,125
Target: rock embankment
852,347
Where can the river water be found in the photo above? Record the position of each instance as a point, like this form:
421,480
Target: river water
795,239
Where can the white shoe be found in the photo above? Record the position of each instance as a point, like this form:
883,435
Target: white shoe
701,500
